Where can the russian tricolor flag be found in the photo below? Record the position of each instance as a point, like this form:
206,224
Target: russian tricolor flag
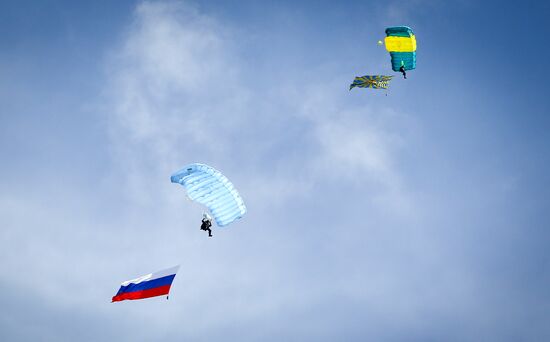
150,285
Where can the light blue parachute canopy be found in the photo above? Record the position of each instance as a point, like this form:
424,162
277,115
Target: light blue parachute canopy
209,187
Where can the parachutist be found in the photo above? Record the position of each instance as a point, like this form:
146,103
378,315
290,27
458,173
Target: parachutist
206,224
402,69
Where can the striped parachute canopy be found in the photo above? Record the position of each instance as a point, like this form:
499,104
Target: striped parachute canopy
209,187
401,44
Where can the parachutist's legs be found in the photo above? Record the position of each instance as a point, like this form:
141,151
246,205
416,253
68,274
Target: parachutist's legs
209,232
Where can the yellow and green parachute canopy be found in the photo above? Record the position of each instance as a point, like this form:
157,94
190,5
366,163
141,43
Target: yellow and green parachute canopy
374,82
401,44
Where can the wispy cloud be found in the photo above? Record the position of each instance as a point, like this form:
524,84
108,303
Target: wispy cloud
177,97
365,221
178,94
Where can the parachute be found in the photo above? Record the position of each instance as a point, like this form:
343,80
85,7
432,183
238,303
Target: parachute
374,82
209,187
401,44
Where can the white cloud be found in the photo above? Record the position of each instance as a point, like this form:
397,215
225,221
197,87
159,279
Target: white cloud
332,230
176,93
177,97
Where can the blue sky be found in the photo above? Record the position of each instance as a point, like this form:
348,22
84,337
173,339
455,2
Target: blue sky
421,215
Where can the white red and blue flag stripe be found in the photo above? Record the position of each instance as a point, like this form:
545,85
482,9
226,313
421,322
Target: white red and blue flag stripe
150,285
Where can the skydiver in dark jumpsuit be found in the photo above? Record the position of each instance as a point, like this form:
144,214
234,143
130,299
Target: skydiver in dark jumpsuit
206,224
402,69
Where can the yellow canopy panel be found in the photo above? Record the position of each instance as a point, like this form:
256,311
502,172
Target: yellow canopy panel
400,44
